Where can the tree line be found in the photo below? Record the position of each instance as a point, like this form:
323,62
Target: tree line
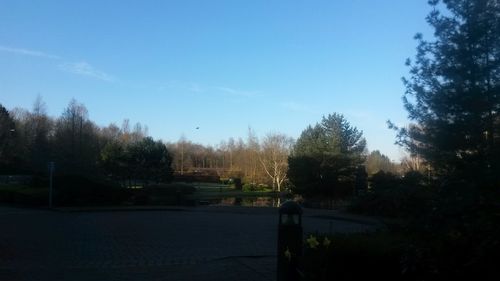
32,139
125,154
256,162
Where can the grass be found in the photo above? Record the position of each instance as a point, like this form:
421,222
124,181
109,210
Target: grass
231,192
214,190
159,194
209,185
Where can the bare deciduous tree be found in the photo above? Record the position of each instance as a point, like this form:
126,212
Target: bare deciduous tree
274,157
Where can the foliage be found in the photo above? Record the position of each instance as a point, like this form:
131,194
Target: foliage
393,196
114,161
253,160
146,160
75,141
397,255
453,95
360,180
351,257
376,161
326,157
78,190
150,160
7,139
162,194
24,195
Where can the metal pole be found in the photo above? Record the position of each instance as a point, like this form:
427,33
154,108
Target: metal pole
51,170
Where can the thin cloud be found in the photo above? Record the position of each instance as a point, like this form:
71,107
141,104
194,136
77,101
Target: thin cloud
359,114
26,52
85,69
236,92
192,87
81,68
298,107
195,88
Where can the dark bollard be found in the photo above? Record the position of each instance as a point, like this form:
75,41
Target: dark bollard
289,241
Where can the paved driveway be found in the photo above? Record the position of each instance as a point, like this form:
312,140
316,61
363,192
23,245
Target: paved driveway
212,243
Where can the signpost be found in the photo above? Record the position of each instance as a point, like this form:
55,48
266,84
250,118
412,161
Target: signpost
51,172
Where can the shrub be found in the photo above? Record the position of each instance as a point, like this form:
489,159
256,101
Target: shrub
24,195
391,196
162,194
351,257
77,190
391,255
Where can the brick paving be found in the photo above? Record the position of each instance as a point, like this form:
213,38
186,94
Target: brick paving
222,243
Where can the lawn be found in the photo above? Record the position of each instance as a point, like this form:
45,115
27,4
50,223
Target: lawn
212,191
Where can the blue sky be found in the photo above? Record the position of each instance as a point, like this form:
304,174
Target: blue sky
218,65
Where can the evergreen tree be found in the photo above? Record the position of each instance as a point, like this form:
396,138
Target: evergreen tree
150,161
453,99
377,161
326,157
453,93
7,140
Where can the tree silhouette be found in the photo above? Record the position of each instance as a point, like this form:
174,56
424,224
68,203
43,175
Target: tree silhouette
326,157
453,92
377,161
275,150
7,138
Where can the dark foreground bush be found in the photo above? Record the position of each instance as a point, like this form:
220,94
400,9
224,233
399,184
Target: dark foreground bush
162,194
24,195
397,256
351,257
392,196
76,190
402,201
451,230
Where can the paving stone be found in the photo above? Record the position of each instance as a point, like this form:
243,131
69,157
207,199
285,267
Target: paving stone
196,244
